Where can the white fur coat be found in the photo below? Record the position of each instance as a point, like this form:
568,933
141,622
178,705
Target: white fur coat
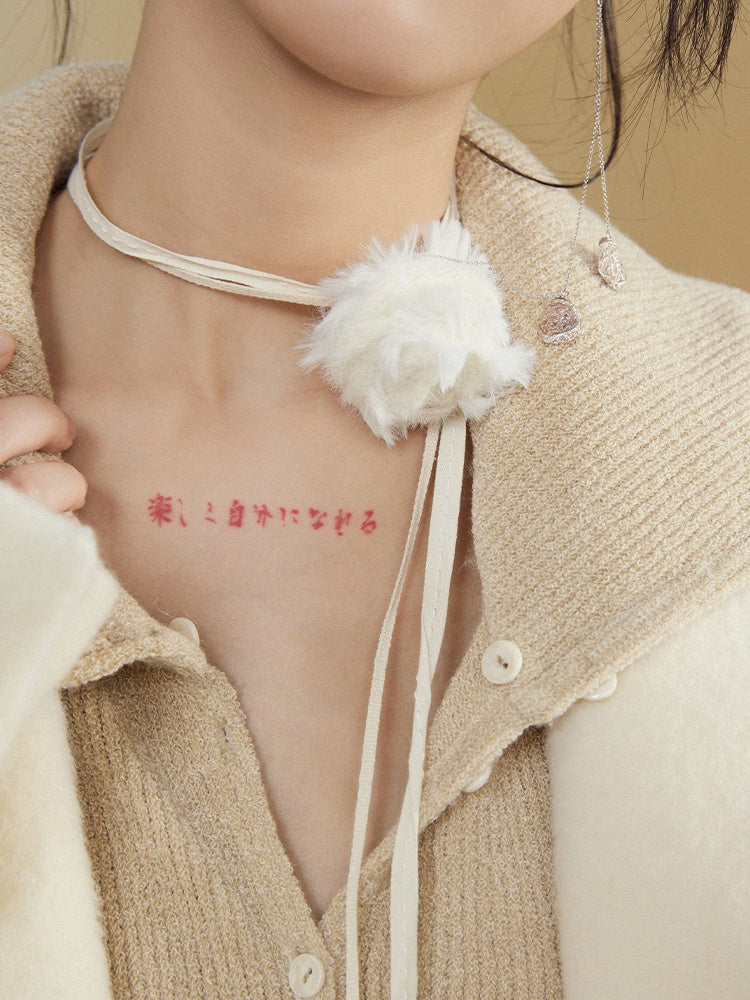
55,594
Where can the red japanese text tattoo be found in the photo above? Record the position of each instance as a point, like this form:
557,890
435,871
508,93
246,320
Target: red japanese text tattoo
165,510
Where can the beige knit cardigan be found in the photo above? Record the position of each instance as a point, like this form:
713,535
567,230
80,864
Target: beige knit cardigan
610,524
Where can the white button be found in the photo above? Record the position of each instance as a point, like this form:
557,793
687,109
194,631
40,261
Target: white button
501,662
480,781
185,627
605,690
306,976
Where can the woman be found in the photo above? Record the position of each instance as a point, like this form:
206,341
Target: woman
216,736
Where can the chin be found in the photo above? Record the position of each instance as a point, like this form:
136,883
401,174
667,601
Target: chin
386,48
395,77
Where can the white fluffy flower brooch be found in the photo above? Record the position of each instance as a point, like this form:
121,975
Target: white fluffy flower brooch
416,332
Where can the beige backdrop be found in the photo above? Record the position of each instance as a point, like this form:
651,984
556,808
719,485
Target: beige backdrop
691,205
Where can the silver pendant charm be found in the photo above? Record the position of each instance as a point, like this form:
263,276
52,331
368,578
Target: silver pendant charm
609,264
561,321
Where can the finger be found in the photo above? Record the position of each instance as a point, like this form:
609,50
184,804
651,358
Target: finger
57,485
32,423
7,346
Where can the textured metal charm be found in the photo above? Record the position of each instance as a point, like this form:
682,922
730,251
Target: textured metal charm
561,321
610,267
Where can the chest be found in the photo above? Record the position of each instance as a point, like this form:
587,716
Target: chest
286,567
229,488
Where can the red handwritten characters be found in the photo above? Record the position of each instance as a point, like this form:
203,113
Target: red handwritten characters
236,514
262,514
368,524
293,515
341,520
317,517
181,519
160,509
164,509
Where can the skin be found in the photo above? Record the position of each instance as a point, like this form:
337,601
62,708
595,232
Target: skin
390,72
405,48
281,137
345,115
34,423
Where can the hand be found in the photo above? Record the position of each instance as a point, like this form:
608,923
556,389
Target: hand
34,423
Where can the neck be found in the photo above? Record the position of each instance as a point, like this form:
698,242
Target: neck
226,146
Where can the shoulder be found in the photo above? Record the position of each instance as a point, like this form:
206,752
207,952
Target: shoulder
612,498
527,228
64,90
41,122
612,528
663,338
41,126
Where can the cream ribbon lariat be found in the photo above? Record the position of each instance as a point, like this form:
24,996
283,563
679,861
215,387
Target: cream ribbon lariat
441,546
372,725
411,335
197,270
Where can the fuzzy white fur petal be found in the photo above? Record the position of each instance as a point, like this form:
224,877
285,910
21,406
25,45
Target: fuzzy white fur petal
54,593
651,822
414,335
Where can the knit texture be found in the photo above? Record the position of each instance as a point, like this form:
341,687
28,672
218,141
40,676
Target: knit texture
610,505
200,899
